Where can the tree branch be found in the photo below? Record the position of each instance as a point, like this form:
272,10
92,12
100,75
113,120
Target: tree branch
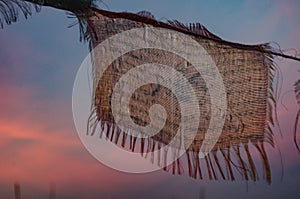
68,5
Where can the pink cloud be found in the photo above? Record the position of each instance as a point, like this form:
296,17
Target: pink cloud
40,145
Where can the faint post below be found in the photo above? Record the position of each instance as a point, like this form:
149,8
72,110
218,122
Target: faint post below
17,190
52,191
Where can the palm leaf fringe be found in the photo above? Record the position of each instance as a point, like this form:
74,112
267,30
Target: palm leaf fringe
196,28
221,163
145,13
10,9
297,93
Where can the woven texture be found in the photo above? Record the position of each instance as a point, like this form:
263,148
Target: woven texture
247,74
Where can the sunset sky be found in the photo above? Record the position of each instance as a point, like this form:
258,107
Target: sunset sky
39,59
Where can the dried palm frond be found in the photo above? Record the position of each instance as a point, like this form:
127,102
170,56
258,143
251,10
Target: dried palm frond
297,93
247,70
10,9
82,16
